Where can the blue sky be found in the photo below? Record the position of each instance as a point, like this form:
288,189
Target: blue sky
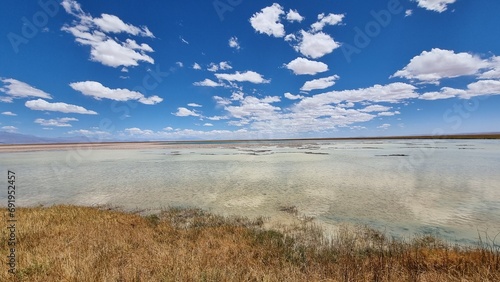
239,69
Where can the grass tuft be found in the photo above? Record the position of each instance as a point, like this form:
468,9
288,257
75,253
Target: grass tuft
71,243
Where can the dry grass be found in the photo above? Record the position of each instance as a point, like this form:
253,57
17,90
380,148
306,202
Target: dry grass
68,243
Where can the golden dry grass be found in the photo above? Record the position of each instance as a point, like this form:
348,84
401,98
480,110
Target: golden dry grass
69,243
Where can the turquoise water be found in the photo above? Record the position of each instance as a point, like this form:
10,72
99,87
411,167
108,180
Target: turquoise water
446,187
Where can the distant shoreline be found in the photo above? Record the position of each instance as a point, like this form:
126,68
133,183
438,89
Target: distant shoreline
212,143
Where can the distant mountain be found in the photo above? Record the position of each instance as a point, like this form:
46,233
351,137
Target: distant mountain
17,138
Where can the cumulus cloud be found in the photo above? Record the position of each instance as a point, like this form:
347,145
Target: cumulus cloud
213,67
315,45
323,20
208,124
9,114
478,88
435,5
194,105
183,112
432,66
99,91
320,83
249,76
58,122
408,13
494,69
268,21
42,105
98,32
294,16
196,66
18,89
207,82
254,108
305,66
392,93
233,43
290,96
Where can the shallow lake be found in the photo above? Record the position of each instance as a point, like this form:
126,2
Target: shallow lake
449,188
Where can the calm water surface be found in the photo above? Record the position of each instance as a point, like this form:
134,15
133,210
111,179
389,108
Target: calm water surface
446,187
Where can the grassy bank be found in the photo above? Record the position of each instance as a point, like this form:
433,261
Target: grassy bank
68,243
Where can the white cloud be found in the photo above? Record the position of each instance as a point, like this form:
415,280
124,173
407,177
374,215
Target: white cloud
432,66
254,108
113,24
194,105
196,66
104,47
388,114
233,43
384,126
267,21
9,114
99,91
392,93
19,89
375,108
315,45
408,13
208,124
305,66
330,19
290,37
213,67
293,15
138,131
237,96
292,97
494,66
42,105
225,66
217,118
91,133
478,88
184,40
183,112
6,99
9,128
320,83
435,5
207,82
249,76
179,64
59,122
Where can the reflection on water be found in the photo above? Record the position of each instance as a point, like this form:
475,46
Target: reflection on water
445,187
